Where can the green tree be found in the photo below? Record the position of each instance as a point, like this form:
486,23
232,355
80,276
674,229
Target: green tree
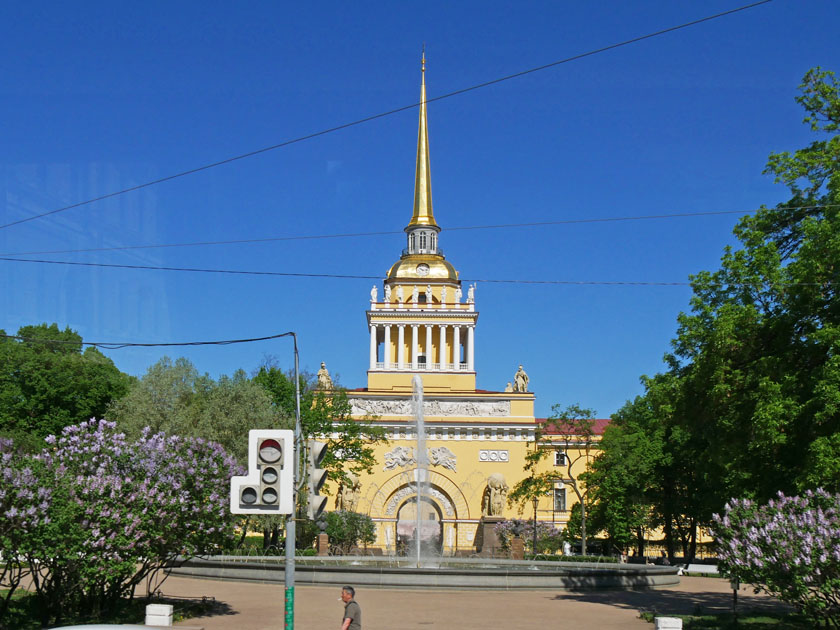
347,529
570,429
326,415
48,382
757,357
175,398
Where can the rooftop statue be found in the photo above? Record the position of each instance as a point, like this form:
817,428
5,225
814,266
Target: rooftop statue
520,380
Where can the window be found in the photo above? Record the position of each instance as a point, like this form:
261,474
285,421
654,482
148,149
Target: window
434,241
560,458
422,240
411,243
559,499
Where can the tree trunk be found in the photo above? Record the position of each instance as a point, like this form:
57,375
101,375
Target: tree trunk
692,547
640,542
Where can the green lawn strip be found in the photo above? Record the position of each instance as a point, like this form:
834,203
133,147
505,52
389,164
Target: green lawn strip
751,621
23,612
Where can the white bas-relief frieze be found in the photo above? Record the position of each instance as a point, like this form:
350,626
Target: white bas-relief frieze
442,456
399,457
411,491
435,408
403,456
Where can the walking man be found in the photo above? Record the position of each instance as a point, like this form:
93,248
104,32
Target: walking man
352,619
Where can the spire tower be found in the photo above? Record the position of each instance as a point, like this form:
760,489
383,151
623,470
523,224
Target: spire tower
423,214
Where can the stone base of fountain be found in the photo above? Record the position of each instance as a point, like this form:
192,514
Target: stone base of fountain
459,573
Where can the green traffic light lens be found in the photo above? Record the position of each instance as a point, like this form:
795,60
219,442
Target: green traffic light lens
269,496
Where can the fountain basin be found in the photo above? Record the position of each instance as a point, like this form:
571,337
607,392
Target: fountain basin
458,573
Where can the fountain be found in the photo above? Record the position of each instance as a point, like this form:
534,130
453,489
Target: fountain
421,569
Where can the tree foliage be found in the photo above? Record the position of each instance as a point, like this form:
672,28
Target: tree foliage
48,382
175,398
326,415
571,430
347,530
750,402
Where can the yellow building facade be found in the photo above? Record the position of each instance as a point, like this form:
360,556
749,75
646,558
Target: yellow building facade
421,322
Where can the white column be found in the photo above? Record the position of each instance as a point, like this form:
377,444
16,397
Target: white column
456,347
373,346
442,349
386,346
429,353
414,346
401,346
471,348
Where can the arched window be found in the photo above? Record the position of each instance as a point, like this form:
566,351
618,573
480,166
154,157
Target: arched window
422,240
411,244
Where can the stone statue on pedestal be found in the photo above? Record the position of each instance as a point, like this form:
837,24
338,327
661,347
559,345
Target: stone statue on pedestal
373,294
495,495
324,380
520,380
387,292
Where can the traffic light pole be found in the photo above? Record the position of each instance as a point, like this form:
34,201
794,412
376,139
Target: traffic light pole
290,519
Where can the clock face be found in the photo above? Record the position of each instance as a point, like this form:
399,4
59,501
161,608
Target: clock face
422,269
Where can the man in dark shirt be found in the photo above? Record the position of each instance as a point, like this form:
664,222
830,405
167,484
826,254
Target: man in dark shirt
352,619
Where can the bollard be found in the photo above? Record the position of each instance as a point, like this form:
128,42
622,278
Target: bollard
667,623
159,615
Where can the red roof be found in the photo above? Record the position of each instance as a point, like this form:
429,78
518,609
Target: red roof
598,426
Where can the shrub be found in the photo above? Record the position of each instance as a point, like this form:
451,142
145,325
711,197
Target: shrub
789,548
116,513
347,529
549,537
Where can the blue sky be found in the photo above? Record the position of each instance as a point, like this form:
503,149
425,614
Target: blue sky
97,97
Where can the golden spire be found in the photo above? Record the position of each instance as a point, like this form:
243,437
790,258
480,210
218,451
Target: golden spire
423,178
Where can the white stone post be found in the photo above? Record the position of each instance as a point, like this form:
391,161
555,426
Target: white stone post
471,348
373,346
401,346
456,347
442,354
414,346
386,346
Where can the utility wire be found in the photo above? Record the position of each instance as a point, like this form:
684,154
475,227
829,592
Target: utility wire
362,277
273,239
367,119
108,345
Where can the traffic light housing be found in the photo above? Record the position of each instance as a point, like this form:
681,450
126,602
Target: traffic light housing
315,478
268,488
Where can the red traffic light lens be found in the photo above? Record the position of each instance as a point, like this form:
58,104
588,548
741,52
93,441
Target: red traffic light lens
270,451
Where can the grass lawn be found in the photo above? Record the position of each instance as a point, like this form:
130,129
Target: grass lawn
747,621
23,612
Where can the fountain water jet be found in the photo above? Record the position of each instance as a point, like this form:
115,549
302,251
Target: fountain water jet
421,455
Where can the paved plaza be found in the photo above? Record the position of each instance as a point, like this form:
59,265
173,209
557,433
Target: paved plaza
252,606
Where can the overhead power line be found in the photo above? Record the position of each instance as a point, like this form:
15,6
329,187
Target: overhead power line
312,237
364,277
110,345
391,112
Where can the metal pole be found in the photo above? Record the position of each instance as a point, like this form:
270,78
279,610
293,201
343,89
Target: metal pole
534,548
290,520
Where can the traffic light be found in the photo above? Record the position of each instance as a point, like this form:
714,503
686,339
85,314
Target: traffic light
268,488
315,478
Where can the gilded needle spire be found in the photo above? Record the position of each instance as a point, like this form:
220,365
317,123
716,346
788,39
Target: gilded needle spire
423,214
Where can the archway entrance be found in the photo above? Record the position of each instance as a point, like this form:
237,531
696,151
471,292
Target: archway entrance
431,527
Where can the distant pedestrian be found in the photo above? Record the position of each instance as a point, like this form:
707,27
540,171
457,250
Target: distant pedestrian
352,619
663,559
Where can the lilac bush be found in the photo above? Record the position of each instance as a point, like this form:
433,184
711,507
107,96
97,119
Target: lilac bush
24,503
549,537
789,548
119,511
